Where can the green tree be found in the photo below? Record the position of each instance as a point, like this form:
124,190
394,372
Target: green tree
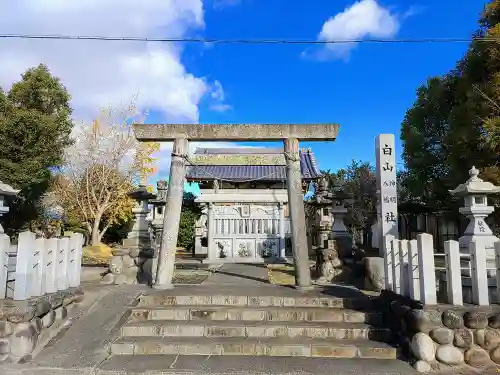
35,128
358,180
189,214
453,123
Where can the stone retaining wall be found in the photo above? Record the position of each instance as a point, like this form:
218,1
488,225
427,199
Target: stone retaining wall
129,266
27,326
443,334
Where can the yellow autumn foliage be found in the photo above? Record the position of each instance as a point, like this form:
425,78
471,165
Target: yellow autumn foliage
102,168
98,254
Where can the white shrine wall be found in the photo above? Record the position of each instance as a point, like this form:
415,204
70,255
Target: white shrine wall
245,225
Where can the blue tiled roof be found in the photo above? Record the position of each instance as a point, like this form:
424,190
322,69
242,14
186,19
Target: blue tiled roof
308,167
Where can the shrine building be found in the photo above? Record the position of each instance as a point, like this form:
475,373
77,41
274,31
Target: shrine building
244,199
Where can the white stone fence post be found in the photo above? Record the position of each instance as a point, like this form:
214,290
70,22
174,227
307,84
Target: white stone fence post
38,266
410,270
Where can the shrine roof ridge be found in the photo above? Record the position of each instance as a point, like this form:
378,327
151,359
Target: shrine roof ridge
243,150
238,150
236,132
308,167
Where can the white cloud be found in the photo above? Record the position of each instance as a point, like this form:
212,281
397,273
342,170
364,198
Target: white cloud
219,4
102,73
218,92
220,107
218,98
363,19
99,73
413,10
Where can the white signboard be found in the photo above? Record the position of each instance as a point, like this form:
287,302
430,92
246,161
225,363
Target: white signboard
386,185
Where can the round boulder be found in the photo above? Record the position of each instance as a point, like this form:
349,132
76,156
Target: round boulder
375,273
449,355
487,338
476,356
442,335
4,346
423,347
23,315
6,328
24,340
463,338
495,355
452,319
476,319
422,366
494,321
42,307
419,321
49,319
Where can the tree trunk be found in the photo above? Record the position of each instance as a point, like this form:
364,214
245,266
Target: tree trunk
95,235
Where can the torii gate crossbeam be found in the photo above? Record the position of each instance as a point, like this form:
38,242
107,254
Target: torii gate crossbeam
180,134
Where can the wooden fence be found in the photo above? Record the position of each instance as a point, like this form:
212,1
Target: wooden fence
38,266
410,270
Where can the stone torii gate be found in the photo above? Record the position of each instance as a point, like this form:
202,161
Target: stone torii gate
180,134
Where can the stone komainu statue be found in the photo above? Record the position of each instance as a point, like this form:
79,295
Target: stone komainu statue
162,187
331,265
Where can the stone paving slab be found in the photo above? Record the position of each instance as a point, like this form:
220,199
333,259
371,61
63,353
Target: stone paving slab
172,328
238,365
86,342
274,347
265,313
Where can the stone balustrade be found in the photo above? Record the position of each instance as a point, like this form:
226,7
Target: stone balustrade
39,286
38,266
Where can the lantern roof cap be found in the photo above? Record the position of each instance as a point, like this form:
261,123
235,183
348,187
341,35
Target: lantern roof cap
6,189
475,185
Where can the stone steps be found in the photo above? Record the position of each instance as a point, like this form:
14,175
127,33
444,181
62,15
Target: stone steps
290,330
236,325
279,347
162,299
247,313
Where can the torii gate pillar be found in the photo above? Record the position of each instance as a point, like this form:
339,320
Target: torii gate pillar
290,134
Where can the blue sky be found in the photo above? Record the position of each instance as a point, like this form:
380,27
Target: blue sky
367,93
366,89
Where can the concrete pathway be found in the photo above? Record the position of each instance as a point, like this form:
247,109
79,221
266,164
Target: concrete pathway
82,348
239,274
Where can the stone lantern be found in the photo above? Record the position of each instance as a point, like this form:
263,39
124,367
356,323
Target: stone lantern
159,202
131,262
139,237
476,209
323,219
339,211
5,191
